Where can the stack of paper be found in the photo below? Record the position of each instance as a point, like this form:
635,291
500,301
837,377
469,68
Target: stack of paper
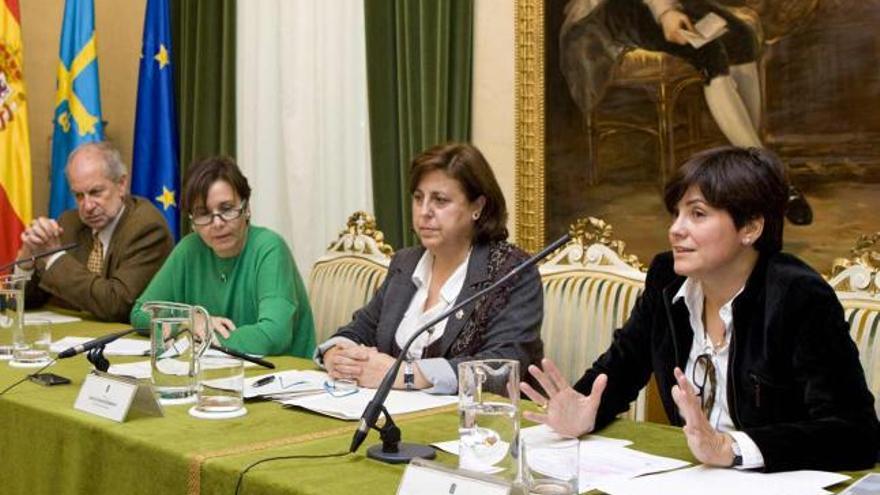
695,480
350,407
284,384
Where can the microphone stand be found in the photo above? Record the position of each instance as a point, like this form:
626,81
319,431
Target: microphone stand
392,450
35,257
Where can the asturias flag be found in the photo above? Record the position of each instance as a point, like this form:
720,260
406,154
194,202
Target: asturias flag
77,97
155,164
15,148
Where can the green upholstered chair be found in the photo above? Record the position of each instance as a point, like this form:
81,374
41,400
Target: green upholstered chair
857,283
590,287
348,274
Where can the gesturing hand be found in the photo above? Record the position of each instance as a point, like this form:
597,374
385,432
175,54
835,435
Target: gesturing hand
568,412
673,21
707,444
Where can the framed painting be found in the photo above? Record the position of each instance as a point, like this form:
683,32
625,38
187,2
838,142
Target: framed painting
819,91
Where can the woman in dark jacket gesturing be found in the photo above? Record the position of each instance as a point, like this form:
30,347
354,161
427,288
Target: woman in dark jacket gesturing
749,345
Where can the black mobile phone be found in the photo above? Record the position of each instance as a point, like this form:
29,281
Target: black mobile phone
49,379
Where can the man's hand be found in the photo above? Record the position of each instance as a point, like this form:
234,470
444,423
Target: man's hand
707,444
673,21
42,235
568,412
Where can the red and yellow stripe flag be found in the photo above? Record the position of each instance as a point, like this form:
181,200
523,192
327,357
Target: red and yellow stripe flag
15,149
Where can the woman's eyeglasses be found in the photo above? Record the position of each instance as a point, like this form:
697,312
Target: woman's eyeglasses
341,388
704,371
226,214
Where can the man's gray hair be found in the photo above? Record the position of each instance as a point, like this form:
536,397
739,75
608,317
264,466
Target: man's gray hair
114,169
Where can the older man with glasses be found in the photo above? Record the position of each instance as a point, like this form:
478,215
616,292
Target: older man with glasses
244,275
122,241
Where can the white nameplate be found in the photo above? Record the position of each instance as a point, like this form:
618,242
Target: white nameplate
112,397
430,478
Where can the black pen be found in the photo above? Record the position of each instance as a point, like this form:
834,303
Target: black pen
264,381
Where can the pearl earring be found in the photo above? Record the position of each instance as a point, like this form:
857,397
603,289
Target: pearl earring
476,216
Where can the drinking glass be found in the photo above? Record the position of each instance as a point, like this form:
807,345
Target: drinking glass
550,462
11,312
488,410
220,388
30,346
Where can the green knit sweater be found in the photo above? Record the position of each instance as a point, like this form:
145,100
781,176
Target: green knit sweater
260,290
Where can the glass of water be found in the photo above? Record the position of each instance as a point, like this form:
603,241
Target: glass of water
11,312
488,409
30,347
220,388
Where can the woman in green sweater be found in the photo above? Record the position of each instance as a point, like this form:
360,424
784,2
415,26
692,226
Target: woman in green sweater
242,274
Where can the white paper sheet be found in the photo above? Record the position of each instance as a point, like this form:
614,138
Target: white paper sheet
51,316
119,347
139,369
352,406
539,432
695,480
285,382
601,459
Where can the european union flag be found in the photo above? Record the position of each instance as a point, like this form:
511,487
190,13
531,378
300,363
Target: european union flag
77,117
155,172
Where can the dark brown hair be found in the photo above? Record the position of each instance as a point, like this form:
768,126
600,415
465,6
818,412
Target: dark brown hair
464,163
748,183
202,174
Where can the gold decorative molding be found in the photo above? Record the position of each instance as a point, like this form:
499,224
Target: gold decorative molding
591,230
361,226
863,266
530,181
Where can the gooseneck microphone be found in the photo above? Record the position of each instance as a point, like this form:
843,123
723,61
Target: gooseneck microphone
87,346
38,256
371,412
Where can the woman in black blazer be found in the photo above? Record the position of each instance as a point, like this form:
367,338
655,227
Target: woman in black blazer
460,216
749,345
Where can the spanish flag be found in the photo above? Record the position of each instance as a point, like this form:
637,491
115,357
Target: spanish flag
15,149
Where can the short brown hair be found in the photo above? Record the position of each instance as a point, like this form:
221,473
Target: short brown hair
748,183
464,163
202,174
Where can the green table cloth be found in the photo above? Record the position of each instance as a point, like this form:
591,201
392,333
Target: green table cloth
46,446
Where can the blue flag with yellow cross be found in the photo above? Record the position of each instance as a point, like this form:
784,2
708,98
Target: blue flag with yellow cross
155,172
77,117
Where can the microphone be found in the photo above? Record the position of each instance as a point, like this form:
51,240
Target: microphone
371,412
37,256
243,356
98,342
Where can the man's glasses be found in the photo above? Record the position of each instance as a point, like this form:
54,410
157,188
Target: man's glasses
704,371
226,214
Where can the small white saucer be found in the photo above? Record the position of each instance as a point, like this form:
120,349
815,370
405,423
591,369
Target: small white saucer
18,364
194,412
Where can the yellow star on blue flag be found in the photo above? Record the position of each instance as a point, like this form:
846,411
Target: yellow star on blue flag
155,171
166,198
